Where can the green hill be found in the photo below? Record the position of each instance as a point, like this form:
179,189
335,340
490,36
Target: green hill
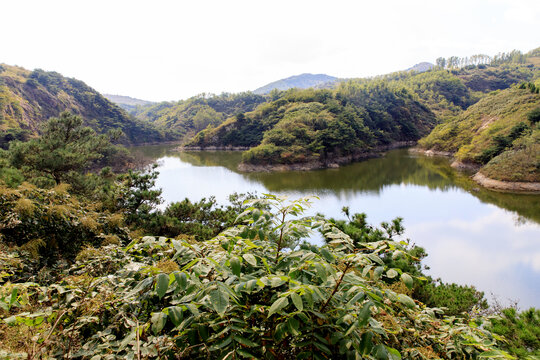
28,98
322,125
187,117
500,133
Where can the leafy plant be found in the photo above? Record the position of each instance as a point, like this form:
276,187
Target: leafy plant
255,291
521,331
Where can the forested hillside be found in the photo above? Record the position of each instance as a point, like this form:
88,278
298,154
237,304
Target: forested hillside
500,132
29,98
187,117
320,125
362,115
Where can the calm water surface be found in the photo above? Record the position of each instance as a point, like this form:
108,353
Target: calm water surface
472,236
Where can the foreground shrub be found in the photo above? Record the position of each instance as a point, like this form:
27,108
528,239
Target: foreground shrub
521,331
254,291
49,224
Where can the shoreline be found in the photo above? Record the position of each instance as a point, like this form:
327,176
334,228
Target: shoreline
481,179
212,148
506,186
331,163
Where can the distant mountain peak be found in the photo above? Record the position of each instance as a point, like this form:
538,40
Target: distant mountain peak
302,81
421,67
127,102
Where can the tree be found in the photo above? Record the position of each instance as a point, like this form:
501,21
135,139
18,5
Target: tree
65,146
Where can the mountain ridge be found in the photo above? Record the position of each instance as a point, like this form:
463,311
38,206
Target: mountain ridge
301,81
29,98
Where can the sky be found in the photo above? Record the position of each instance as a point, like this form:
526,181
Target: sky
170,50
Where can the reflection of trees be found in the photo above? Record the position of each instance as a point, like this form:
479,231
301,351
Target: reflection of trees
396,167
152,151
371,175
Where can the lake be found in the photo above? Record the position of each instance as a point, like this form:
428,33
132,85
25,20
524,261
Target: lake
473,236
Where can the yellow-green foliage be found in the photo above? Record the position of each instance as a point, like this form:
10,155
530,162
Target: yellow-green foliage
470,133
24,206
29,98
522,163
48,223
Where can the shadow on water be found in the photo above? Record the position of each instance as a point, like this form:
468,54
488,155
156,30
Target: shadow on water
371,176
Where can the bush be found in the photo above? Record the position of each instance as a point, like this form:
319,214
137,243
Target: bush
521,331
51,224
534,116
240,295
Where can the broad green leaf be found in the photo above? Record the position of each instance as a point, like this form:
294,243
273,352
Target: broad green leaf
203,331
250,259
162,283
245,353
357,297
175,313
276,281
393,353
221,344
364,314
220,301
322,347
250,285
193,309
158,321
405,300
297,301
380,352
378,272
281,330
391,273
14,293
321,272
236,266
294,325
327,255
366,344
407,280
376,259
278,305
245,342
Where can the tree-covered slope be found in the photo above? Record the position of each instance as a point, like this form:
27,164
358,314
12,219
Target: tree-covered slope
28,98
450,91
501,131
320,125
187,117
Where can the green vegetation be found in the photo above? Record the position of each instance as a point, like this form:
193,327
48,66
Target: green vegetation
239,295
187,117
358,116
500,132
521,332
90,268
455,299
29,98
316,125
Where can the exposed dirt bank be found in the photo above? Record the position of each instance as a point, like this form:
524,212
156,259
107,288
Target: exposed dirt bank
528,187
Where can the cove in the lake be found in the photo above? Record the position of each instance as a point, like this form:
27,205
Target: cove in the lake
472,235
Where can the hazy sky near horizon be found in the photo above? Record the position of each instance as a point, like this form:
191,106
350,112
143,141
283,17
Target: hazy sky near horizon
170,50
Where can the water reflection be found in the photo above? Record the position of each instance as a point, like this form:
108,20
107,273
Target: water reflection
472,235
